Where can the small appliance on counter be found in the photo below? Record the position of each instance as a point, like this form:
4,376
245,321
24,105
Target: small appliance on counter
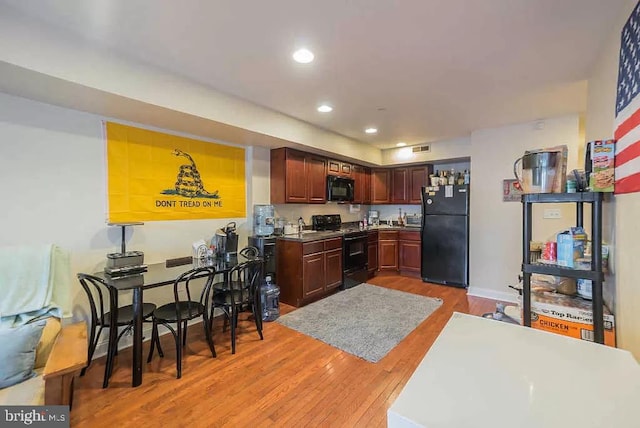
374,218
413,220
125,262
225,242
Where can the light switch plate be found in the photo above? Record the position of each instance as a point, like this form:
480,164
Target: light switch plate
552,213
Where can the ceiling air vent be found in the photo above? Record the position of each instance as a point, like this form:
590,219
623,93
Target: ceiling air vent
417,149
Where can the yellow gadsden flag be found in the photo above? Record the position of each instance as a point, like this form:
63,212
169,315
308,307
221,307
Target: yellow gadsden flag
157,176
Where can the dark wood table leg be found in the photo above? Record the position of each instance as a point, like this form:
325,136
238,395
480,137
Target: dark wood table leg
113,336
136,379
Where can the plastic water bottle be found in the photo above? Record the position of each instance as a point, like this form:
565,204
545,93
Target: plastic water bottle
270,296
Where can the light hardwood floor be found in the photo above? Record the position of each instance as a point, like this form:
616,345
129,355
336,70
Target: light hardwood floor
287,380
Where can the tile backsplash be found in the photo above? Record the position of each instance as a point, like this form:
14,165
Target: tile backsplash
293,211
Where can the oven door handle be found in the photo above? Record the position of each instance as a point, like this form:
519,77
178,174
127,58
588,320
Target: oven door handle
355,238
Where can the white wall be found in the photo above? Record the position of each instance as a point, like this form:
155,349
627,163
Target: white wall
496,226
53,168
625,209
440,150
52,66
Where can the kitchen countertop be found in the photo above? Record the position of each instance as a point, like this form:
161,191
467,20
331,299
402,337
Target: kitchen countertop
312,235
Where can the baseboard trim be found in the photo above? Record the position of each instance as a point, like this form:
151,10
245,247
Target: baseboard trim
503,296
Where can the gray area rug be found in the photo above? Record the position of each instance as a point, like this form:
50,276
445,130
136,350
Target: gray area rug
366,321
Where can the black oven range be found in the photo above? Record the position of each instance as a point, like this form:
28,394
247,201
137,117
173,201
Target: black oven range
354,248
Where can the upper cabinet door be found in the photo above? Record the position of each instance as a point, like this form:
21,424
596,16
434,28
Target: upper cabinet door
316,179
418,177
366,186
380,185
400,182
296,170
359,178
343,169
333,167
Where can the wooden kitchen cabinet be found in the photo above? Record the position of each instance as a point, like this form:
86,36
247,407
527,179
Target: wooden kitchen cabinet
362,190
399,185
336,167
297,177
333,268
410,252
313,267
418,177
317,179
308,271
388,250
380,186
372,252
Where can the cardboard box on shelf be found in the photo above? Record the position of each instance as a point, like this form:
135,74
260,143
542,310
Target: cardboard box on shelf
602,176
569,316
571,244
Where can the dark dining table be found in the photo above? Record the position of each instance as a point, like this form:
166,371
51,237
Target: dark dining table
156,275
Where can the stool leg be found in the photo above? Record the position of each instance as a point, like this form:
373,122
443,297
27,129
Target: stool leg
184,334
154,339
93,342
208,335
179,350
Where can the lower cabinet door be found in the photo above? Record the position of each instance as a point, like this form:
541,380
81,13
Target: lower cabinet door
410,256
388,255
333,260
313,278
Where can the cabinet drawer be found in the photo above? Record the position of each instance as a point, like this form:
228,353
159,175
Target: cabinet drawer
332,244
388,235
312,247
409,236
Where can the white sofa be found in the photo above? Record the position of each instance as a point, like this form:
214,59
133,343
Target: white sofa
60,356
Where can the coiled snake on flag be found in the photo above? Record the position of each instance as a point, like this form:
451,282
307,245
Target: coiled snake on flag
188,182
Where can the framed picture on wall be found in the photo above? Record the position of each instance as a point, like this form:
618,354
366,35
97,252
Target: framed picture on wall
511,191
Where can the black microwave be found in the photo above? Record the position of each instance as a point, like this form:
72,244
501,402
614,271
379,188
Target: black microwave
339,189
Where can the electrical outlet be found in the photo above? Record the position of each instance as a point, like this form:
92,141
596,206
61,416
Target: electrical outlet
552,213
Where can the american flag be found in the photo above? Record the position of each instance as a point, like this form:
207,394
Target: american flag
627,129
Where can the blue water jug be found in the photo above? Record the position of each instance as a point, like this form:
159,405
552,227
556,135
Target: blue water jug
270,298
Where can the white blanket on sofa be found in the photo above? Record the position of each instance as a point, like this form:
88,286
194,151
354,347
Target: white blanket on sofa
34,282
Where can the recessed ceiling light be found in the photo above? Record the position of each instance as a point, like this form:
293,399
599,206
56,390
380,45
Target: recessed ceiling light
371,130
325,108
303,56
401,144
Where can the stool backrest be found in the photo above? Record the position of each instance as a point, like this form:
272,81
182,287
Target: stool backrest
96,289
185,280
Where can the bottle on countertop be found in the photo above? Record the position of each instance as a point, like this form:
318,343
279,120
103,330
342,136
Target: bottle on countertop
300,225
467,177
400,220
452,177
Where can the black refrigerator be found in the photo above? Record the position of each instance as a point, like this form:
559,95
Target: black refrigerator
445,235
